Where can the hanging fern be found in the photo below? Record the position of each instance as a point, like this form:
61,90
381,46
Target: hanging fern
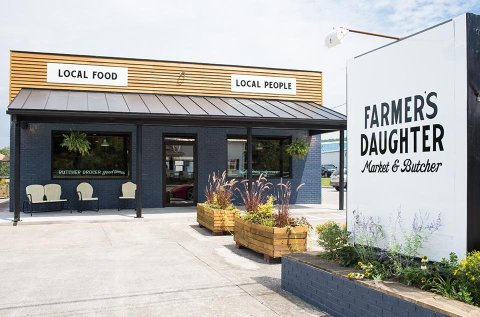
76,141
298,148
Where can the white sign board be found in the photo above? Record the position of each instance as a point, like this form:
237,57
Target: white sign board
407,136
264,84
87,74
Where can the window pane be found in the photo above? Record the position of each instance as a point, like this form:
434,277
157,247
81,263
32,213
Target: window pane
269,157
108,158
237,158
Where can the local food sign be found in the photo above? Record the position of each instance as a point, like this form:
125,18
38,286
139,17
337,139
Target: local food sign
87,74
407,138
264,84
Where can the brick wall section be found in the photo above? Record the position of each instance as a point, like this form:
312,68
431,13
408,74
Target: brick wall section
341,297
36,153
211,154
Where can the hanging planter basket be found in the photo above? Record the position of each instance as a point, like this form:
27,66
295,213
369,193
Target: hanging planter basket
298,149
76,141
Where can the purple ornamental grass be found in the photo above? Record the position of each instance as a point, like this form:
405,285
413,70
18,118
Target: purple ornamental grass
256,195
219,190
283,217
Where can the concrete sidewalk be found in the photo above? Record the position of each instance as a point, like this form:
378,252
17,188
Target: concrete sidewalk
315,213
163,265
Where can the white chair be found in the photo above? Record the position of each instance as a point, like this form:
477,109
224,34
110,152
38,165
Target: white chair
53,193
35,195
85,195
128,193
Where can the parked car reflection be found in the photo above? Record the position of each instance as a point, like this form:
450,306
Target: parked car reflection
328,169
335,179
184,192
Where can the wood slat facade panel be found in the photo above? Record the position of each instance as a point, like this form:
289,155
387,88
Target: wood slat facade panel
29,70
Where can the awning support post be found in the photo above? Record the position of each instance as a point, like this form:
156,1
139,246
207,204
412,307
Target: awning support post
249,156
16,171
341,192
138,192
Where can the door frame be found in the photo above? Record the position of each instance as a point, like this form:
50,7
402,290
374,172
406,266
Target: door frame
195,166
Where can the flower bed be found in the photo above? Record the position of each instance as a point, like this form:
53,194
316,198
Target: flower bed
325,285
400,260
216,220
272,242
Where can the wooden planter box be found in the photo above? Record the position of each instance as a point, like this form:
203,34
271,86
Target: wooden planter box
272,242
216,220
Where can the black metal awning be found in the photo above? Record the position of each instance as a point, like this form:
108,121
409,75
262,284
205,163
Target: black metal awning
46,104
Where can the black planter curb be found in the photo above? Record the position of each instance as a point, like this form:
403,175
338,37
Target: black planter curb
324,284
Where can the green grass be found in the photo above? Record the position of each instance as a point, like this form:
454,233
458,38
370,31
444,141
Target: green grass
326,181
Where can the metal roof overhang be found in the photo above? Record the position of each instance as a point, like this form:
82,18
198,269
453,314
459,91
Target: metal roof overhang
41,105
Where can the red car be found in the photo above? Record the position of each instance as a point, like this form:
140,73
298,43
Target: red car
184,191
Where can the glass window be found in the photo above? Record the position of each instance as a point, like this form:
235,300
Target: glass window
108,157
268,157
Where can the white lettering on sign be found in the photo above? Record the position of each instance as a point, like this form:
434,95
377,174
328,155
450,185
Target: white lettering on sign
264,84
87,74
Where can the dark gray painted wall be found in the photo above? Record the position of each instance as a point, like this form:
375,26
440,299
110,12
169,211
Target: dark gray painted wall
212,156
341,297
473,132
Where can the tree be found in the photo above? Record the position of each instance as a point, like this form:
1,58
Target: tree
5,166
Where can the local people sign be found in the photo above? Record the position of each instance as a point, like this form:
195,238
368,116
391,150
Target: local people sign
87,74
407,138
264,84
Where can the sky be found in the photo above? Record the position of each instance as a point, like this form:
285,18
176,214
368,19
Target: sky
270,33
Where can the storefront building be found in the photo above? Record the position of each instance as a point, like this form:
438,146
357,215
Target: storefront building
162,125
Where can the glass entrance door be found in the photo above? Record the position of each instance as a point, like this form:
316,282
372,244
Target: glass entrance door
179,170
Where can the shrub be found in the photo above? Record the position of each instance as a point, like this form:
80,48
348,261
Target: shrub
468,273
451,288
332,237
373,270
264,214
347,256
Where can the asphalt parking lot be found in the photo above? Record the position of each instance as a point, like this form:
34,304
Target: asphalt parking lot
160,265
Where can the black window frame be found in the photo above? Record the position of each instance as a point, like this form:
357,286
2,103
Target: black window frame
264,137
127,135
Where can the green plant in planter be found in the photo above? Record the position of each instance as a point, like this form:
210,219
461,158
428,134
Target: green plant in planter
76,141
298,148
332,237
